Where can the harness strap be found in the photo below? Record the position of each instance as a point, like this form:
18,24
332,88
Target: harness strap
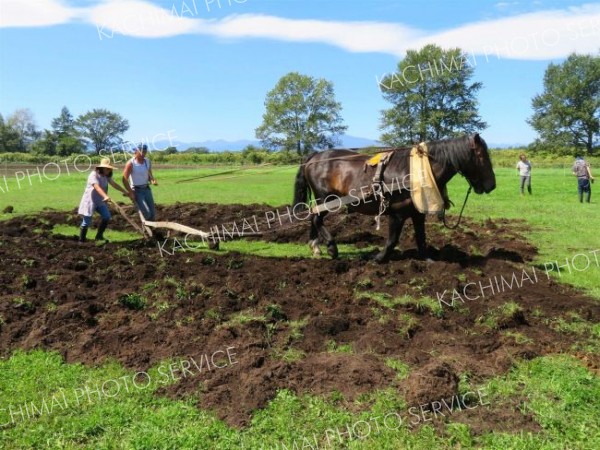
377,179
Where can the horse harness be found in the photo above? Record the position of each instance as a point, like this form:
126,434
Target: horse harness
382,159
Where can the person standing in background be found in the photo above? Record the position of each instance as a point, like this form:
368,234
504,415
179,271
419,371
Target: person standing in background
581,169
524,170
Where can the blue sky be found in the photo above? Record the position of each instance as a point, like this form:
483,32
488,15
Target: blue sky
205,74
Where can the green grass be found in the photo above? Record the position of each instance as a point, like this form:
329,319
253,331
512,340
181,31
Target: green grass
561,227
111,235
133,301
255,247
493,318
402,369
272,186
419,304
562,396
334,347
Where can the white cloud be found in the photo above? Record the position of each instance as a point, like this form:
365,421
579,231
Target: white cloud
532,36
36,13
138,18
502,5
351,36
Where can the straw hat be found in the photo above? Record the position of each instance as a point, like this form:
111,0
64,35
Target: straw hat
105,163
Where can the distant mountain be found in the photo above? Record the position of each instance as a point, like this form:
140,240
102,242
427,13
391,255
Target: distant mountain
358,142
221,145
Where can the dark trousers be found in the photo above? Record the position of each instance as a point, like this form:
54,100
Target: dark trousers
525,179
584,185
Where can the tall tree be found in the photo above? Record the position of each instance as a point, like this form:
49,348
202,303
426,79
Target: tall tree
568,111
10,141
432,97
23,124
64,124
104,129
301,114
64,139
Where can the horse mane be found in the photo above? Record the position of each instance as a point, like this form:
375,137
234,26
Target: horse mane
454,152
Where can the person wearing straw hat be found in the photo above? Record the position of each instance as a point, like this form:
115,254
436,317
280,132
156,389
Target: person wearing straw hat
95,198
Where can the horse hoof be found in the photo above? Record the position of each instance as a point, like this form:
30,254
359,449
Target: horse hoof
333,253
381,258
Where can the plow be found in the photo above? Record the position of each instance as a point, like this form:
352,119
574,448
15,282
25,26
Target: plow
146,229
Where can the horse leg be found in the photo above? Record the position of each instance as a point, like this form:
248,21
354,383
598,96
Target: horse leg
395,228
326,235
419,225
314,236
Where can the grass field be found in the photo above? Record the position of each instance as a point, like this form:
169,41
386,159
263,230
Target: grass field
563,396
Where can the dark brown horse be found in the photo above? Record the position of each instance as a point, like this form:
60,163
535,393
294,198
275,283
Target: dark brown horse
341,172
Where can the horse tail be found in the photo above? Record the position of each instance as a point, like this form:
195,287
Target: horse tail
301,187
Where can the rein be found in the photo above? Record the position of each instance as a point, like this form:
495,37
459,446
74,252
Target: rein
453,227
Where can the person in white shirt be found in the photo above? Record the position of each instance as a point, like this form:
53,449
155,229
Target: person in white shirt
137,178
524,170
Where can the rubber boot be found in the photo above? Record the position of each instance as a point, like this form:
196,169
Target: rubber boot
83,234
101,230
581,198
589,196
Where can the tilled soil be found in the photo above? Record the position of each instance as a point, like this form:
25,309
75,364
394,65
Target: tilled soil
60,295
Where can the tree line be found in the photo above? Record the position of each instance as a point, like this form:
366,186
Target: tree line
431,93
98,129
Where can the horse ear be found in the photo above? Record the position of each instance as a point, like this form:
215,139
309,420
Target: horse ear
477,138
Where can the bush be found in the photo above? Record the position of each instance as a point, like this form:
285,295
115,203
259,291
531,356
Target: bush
540,159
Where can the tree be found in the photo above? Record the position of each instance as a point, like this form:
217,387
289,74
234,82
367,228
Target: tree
10,141
301,114
568,111
22,123
104,129
64,124
64,139
432,97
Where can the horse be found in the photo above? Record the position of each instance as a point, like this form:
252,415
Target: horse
339,172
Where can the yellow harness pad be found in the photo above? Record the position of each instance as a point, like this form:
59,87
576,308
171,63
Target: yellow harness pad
423,188
374,160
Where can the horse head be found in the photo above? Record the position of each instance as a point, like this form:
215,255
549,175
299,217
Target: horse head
477,168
